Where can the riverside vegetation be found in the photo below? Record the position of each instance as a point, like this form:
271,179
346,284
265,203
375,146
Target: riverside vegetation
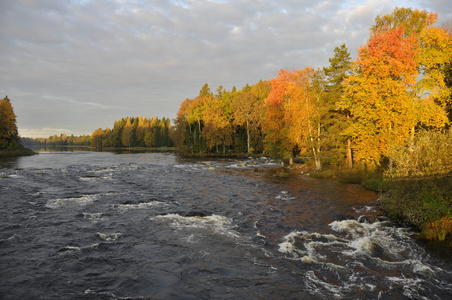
382,120
10,144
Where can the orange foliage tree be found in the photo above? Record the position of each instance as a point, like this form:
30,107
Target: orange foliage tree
378,96
433,58
293,119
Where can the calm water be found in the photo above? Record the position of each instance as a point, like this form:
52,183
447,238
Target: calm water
87,225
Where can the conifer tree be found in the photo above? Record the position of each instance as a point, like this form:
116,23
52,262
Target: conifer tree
337,119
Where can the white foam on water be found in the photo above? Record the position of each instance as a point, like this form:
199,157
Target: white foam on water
82,201
191,167
88,178
142,205
317,286
362,245
310,243
14,176
285,196
70,248
191,239
409,286
357,254
109,237
365,209
364,237
215,223
421,268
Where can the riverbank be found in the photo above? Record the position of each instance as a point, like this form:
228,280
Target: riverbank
424,203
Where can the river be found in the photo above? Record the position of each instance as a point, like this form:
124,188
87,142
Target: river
98,225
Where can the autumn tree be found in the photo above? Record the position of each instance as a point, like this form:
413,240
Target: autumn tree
143,126
378,94
434,52
303,114
9,136
276,142
128,133
97,138
447,26
293,118
247,108
205,91
218,130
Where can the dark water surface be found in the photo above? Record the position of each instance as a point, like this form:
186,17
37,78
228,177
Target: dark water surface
86,225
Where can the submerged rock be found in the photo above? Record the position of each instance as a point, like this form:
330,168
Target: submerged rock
195,213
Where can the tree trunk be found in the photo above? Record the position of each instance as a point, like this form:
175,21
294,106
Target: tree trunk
349,154
411,145
349,148
248,136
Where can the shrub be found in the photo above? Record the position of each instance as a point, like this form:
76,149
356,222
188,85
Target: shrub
430,154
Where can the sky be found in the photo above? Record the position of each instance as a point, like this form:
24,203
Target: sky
74,66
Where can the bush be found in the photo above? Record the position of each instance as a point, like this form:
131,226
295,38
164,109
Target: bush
430,154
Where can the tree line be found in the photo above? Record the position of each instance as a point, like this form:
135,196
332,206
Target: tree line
135,132
127,132
350,113
57,141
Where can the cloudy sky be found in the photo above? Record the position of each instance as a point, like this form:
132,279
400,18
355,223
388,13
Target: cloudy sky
73,66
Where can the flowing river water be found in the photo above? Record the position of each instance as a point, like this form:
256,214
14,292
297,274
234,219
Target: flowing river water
87,225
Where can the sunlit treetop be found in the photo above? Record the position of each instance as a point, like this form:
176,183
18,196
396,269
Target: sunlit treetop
412,21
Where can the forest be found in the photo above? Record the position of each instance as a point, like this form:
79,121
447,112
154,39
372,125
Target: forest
375,111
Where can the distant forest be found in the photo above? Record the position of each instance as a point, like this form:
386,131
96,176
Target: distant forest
127,132
135,132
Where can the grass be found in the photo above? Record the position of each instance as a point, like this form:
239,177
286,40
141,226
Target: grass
424,203
371,180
